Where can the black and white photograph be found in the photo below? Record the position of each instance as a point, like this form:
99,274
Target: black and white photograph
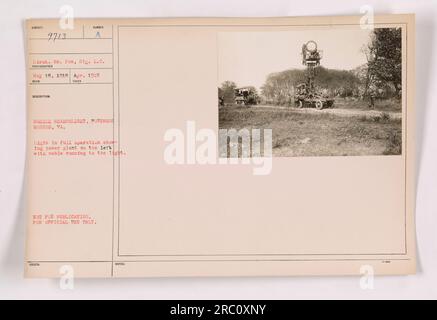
322,92
218,159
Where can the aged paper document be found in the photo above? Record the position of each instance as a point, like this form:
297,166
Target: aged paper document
220,146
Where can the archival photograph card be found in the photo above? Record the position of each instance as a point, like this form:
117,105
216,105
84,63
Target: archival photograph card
221,146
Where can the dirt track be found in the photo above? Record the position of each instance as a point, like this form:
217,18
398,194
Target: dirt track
340,112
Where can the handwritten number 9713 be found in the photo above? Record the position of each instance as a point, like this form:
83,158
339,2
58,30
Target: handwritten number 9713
53,36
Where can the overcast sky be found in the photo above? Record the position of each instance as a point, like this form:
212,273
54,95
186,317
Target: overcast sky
248,57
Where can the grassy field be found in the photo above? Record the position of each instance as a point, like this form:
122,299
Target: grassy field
387,105
312,134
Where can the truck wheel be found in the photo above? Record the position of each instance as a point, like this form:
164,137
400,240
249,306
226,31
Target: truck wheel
299,104
319,105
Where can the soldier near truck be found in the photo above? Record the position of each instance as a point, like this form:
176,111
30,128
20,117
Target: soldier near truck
372,92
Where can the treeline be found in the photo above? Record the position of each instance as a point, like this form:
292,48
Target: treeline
380,77
279,87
